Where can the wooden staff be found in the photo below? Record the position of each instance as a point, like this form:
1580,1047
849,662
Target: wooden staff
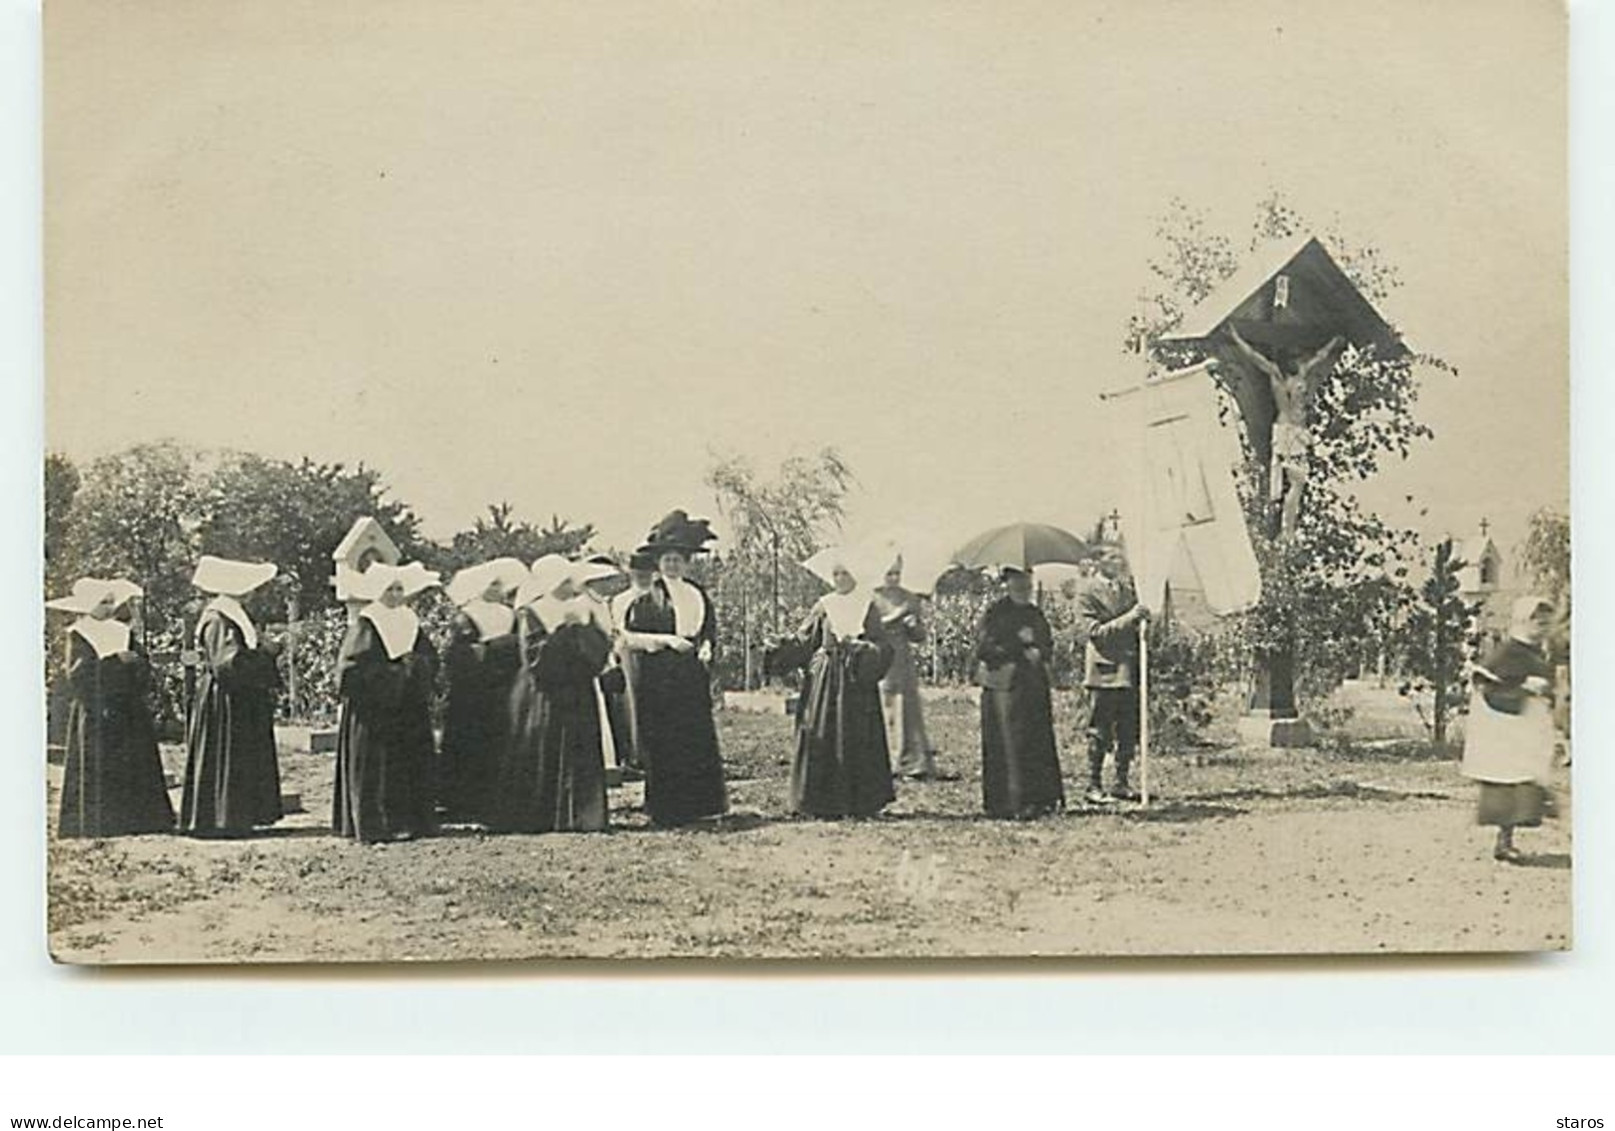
1144,712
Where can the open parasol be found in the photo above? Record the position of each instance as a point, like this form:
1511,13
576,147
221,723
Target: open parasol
1023,545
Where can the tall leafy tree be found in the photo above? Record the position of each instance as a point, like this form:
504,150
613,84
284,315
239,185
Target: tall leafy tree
136,515
1544,560
1437,639
62,483
1544,557
61,486
499,534
295,515
775,521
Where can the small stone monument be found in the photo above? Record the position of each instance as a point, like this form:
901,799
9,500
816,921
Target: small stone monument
365,544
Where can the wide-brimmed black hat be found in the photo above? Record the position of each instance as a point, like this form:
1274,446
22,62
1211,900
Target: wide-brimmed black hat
678,532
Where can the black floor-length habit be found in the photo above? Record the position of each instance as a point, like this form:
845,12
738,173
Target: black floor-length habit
678,740
1020,763
842,766
384,740
232,775
113,782
476,718
552,775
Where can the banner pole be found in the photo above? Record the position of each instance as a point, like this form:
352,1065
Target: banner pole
1143,713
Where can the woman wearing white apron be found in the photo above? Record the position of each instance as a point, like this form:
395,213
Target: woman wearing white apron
1508,744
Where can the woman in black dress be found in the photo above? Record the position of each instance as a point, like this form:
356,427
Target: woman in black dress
232,775
1020,764
673,631
113,781
553,776
481,661
384,750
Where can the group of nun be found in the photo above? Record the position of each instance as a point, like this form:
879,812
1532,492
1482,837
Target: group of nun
113,782
549,682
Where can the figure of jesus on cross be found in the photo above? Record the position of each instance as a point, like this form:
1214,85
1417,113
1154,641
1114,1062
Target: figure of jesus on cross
1292,436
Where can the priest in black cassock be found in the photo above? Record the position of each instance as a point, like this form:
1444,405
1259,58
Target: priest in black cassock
385,676
232,774
481,660
1020,763
552,776
672,630
113,780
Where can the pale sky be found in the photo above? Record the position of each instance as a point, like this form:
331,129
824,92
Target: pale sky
558,254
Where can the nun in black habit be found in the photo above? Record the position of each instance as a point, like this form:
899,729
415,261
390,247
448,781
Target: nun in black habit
481,660
113,782
842,766
385,745
232,774
552,776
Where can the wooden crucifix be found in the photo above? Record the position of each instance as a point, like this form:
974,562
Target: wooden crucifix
1291,437
1264,326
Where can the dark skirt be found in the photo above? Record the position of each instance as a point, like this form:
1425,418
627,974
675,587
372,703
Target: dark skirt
383,773
113,782
842,766
1020,763
232,774
619,716
1517,805
552,778
475,725
678,740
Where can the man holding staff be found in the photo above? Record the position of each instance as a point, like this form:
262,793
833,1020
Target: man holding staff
1111,615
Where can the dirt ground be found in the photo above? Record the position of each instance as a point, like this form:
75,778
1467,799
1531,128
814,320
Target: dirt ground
1243,851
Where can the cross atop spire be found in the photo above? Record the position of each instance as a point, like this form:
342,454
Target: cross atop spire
1485,527
1112,529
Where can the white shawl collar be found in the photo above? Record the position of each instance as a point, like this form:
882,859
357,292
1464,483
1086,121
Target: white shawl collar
107,637
491,618
553,612
397,627
231,608
689,609
847,612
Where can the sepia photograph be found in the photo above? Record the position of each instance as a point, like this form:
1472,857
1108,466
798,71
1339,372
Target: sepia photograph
810,481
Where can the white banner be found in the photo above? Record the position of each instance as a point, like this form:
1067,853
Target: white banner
1188,510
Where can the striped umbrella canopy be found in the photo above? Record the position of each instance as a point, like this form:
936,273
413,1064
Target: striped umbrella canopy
1022,545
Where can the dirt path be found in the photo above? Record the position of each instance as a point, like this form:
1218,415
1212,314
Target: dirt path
1246,853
